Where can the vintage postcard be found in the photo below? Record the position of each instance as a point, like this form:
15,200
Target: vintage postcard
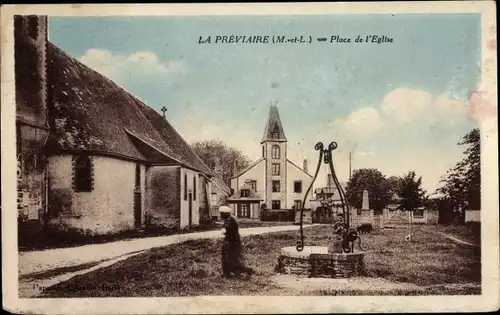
250,158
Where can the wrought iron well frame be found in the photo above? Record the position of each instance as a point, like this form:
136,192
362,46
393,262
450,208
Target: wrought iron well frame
349,235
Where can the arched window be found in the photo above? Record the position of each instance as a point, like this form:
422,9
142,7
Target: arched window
275,152
83,174
33,27
185,187
194,187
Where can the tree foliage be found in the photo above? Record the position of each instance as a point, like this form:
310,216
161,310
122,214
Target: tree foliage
379,192
231,160
411,192
462,184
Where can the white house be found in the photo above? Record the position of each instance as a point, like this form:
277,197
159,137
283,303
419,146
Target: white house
273,179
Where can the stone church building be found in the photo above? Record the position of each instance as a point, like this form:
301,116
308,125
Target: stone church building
91,156
273,180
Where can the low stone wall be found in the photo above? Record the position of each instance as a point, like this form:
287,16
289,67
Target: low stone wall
317,262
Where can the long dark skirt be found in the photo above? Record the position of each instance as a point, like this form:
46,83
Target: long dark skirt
232,259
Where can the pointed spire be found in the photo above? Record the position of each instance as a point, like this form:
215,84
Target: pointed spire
274,129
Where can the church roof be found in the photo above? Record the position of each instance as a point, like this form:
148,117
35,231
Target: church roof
273,125
222,186
89,112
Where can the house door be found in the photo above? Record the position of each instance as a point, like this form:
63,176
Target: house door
244,210
137,197
137,208
190,209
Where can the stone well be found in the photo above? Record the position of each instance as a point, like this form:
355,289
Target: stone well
316,261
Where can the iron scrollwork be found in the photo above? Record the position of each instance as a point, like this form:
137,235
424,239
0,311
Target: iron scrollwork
342,230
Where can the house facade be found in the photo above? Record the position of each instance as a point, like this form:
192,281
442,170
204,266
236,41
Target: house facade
273,180
91,156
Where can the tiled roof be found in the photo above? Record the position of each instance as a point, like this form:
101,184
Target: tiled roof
89,112
220,183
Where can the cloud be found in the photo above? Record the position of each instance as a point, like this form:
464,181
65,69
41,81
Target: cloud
123,67
404,105
365,120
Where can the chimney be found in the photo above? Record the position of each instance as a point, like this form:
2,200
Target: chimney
304,167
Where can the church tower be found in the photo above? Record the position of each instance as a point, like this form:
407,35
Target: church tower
274,151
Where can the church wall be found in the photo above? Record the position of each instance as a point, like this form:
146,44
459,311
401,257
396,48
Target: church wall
163,196
293,174
108,208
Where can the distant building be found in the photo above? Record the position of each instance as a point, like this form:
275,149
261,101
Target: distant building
272,180
91,156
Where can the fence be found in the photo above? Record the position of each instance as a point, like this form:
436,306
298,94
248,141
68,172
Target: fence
284,215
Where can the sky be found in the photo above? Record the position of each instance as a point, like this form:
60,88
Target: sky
397,107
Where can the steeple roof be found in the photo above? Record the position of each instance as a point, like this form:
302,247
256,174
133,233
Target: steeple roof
274,129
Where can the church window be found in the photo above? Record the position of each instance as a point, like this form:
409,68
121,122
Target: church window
185,187
83,174
297,186
33,27
275,133
276,186
276,169
245,193
137,176
275,205
194,187
275,152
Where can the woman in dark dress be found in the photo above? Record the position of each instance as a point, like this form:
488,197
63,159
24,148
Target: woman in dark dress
232,256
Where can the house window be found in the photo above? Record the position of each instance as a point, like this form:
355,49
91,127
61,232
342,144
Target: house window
297,186
194,187
245,193
185,187
418,213
83,173
275,151
276,205
253,184
33,27
276,186
297,204
137,176
276,169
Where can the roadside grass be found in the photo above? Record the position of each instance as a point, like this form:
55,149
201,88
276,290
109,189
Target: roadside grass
470,231
58,271
31,239
193,268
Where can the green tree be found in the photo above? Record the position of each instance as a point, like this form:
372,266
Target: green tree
411,192
375,182
231,160
462,184
394,183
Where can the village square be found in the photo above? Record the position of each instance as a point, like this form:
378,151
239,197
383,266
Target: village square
114,201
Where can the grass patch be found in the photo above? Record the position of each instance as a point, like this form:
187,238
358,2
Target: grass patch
193,267
469,232
58,271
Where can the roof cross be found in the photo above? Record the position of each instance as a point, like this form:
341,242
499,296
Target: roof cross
163,109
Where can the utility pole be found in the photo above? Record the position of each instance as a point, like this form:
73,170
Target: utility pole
350,174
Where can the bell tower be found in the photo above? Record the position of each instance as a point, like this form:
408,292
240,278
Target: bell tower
274,148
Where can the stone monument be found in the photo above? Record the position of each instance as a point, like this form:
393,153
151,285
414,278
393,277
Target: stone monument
366,213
